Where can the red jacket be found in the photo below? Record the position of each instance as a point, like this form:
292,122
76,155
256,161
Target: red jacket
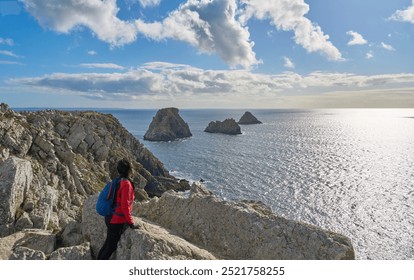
124,199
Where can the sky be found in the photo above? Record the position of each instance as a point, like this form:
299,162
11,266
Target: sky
207,53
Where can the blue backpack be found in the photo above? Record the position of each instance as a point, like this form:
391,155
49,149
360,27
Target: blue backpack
105,206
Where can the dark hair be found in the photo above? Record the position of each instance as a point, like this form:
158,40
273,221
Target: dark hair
124,168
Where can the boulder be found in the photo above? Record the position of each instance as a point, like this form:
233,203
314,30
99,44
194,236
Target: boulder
16,178
79,252
242,230
24,253
167,125
150,242
228,126
30,242
248,118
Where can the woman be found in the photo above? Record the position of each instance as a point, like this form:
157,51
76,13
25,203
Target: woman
115,223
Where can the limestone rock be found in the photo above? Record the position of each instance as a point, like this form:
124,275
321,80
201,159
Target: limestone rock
15,180
38,240
242,230
228,126
72,234
79,252
150,242
24,253
30,242
167,125
248,118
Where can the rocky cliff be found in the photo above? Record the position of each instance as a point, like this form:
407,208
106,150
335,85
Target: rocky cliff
51,161
248,118
228,126
167,125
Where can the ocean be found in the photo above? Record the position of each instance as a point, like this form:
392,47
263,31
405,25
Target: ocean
345,170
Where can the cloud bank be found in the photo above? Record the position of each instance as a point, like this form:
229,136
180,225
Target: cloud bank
211,26
182,83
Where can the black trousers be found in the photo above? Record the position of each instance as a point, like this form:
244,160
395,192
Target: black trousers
113,234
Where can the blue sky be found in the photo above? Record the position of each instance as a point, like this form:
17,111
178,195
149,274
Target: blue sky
207,53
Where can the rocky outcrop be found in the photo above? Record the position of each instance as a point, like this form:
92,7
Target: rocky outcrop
51,161
167,125
228,126
242,230
248,118
150,242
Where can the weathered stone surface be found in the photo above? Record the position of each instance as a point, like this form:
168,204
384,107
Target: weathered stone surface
38,240
148,243
79,252
7,244
167,125
228,126
152,242
248,118
15,180
72,234
242,230
32,241
24,253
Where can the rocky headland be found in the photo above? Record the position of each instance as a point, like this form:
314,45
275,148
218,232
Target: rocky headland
228,126
167,125
248,118
54,163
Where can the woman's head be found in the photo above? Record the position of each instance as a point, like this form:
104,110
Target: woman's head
124,168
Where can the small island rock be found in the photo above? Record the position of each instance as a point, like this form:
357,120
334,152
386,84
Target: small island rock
228,126
167,125
248,118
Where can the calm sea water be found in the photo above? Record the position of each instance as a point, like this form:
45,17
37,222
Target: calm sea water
350,171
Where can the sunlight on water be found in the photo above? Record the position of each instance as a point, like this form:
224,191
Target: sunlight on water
350,171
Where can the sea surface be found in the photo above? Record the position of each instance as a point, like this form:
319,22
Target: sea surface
347,170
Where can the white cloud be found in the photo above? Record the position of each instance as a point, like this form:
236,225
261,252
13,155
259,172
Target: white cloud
289,15
387,47
99,16
357,38
92,52
210,26
5,62
102,66
404,15
6,41
288,62
9,53
369,55
149,3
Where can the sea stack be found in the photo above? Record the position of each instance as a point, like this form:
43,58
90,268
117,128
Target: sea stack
248,118
228,126
167,125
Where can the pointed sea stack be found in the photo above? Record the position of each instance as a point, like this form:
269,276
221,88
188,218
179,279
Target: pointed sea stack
228,126
248,118
167,125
